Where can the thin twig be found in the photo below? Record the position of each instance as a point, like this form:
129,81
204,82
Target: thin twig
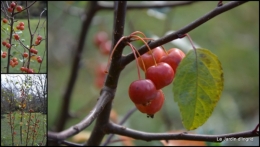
120,130
168,38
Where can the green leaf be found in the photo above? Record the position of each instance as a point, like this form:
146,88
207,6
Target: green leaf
197,87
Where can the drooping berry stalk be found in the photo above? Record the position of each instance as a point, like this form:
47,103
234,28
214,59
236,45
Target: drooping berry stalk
146,45
113,50
133,49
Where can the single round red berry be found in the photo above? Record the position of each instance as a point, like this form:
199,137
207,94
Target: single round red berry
21,27
39,60
173,58
4,43
154,106
147,58
161,75
3,55
39,37
13,4
21,23
8,45
10,9
37,42
100,37
142,91
5,20
25,54
16,37
19,8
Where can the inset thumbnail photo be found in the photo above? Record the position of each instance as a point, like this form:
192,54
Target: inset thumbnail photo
24,37
23,109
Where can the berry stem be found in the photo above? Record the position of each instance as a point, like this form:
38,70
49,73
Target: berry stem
138,32
132,47
147,47
138,55
164,50
190,41
111,55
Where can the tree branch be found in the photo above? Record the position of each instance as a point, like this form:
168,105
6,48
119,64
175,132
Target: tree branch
74,71
120,130
106,96
108,5
112,78
178,34
129,113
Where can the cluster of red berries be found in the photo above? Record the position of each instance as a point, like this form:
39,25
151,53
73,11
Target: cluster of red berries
7,45
33,50
16,37
25,69
39,59
102,42
38,40
12,6
20,26
159,67
4,54
14,62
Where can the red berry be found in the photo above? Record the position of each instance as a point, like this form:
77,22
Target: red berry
161,75
105,47
25,54
18,27
3,55
8,45
100,37
21,23
4,43
5,20
30,71
142,91
39,38
21,27
16,36
35,51
173,58
154,106
22,68
39,60
11,62
158,52
100,75
19,8
14,59
32,50
10,9
26,69
37,42
16,63
12,5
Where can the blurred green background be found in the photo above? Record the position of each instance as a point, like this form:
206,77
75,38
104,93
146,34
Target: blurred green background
233,36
